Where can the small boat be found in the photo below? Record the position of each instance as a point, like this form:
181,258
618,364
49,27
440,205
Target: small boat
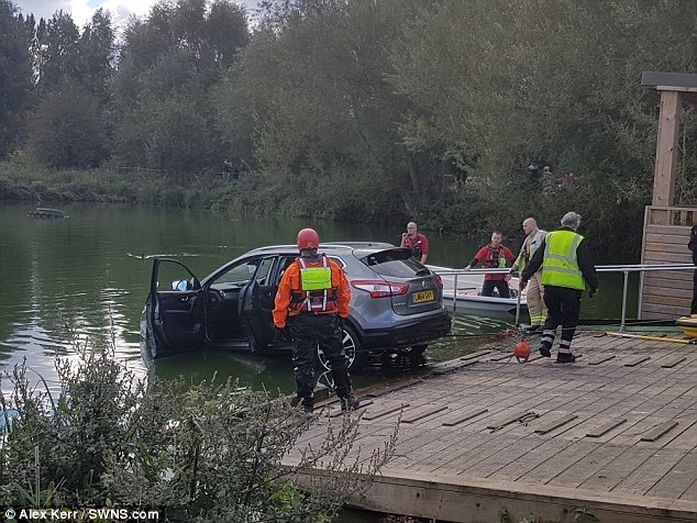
688,325
45,212
469,286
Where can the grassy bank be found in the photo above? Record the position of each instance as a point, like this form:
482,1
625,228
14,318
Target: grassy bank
136,186
458,212
251,194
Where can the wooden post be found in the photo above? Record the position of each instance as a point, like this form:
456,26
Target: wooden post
666,149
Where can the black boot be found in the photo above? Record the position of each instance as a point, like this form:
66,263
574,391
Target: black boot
545,350
565,357
307,404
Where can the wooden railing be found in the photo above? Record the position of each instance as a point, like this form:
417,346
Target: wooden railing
679,216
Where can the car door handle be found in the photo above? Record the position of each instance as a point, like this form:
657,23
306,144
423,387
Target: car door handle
183,299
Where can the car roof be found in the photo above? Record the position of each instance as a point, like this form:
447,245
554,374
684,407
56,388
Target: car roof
359,248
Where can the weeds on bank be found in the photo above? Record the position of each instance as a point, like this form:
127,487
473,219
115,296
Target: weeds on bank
197,452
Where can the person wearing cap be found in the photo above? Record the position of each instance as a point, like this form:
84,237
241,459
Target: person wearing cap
566,270
312,296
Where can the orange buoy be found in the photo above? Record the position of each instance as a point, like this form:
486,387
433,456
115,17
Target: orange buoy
522,351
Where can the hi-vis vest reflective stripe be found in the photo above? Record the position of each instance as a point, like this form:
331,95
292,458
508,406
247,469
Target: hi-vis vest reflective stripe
316,283
560,266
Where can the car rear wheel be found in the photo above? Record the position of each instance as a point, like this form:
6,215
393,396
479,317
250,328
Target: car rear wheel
415,354
351,345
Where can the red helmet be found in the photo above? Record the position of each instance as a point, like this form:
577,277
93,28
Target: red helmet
308,239
522,351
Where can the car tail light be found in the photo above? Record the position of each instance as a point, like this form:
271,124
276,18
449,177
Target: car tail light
380,289
439,281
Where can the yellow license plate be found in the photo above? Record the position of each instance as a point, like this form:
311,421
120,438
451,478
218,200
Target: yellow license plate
424,296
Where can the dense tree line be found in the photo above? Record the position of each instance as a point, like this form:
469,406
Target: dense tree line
463,115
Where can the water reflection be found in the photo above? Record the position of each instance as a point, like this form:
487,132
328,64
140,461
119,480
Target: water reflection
89,274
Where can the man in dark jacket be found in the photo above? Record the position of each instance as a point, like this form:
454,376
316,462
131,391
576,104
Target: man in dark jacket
566,270
692,245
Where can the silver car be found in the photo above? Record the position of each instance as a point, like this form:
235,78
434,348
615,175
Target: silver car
396,304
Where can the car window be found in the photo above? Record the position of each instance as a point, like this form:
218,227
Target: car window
396,263
238,275
264,270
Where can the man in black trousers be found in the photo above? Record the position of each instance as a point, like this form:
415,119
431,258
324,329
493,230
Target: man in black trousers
567,270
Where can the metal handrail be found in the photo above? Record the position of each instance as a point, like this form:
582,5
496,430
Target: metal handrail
624,269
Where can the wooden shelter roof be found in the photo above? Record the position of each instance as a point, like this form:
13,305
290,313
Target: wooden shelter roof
684,83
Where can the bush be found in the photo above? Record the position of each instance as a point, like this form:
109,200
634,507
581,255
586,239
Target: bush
205,452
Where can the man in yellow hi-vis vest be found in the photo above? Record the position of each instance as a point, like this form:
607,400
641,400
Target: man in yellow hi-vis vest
566,269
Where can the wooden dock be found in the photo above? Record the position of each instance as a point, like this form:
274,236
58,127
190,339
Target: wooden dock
612,437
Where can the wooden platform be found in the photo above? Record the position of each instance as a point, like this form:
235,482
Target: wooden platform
604,439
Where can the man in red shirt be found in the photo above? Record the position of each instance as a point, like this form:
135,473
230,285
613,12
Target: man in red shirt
494,256
417,242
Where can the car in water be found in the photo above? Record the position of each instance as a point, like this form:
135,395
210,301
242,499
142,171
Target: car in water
396,304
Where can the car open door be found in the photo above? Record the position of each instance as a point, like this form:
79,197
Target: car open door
256,304
176,312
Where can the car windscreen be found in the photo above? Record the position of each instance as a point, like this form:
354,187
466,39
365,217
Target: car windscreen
396,263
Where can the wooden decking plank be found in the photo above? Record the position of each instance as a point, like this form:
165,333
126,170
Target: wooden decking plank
476,355
578,472
659,431
468,444
546,429
462,417
673,362
555,465
425,457
379,412
649,473
490,465
544,450
636,360
493,445
336,412
605,428
601,359
498,425
501,357
420,414
677,480
687,439
610,474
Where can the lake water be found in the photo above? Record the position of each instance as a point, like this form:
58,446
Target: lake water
83,276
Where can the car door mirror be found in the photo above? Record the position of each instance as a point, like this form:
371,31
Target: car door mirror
191,284
181,285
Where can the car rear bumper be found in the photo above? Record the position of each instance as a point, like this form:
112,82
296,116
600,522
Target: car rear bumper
409,333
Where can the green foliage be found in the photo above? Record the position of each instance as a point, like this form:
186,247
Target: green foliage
198,452
465,116
16,76
68,130
169,64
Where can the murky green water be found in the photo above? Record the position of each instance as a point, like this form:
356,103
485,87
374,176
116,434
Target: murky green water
83,276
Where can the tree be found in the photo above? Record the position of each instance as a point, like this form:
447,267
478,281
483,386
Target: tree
169,64
15,73
68,130
58,60
313,83
96,55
